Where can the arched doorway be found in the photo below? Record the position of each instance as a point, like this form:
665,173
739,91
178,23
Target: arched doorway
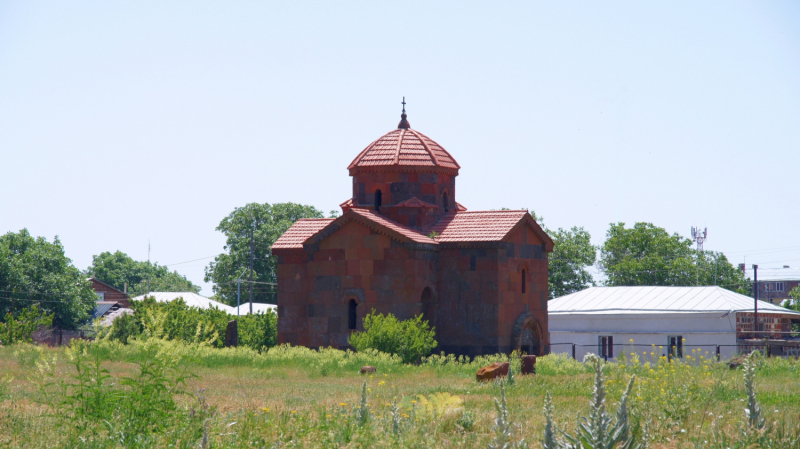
527,335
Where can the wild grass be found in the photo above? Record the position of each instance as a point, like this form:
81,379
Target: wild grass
154,393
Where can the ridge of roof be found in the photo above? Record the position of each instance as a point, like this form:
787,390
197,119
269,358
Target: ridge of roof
92,278
374,221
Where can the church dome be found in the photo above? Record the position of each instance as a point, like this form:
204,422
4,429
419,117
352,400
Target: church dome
404,148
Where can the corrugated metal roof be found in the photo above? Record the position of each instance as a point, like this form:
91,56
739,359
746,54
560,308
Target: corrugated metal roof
101,309
257,308
190,298
658,300
774,274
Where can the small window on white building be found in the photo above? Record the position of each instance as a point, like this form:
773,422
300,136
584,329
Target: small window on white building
605,346
675,344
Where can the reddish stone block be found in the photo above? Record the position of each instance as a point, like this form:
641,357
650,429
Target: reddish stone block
493,371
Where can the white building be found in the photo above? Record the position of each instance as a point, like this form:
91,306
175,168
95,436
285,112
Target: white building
604,320
194,300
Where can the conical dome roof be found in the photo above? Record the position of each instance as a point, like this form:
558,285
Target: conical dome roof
404,148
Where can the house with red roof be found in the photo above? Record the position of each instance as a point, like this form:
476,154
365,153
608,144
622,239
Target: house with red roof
404,245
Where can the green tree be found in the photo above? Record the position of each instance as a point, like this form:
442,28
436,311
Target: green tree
118,268
648,255
794,302
572,253
268,222
21,328
35,271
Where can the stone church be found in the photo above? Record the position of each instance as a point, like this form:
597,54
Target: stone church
404,245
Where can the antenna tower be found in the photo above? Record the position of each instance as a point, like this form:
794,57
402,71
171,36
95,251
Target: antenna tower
699,237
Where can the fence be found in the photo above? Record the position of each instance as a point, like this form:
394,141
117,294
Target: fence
59,337
647,352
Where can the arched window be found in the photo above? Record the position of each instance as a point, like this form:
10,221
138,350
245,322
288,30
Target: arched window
351,314
378,200
523,281
426,299
446,202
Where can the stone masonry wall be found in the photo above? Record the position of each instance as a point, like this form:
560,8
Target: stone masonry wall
352,263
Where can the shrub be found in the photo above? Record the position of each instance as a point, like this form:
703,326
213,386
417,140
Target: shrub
177,321
410,339
258,331
20,328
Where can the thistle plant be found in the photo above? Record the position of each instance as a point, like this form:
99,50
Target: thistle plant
623,414
755,418
395,418
549,440
363,410
510,379
503,428
599,430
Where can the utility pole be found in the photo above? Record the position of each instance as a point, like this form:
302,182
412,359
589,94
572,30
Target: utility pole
699,237
148,266
251,268
755,299
239,291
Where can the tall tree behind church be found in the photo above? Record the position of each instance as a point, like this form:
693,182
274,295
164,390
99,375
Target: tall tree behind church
648,255
268,222
572,253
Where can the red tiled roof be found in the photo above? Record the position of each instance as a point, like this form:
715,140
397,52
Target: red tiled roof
404,147
299,232
346,205
484,226
379,223
415,202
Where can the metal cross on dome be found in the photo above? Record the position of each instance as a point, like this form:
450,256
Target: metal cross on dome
404,105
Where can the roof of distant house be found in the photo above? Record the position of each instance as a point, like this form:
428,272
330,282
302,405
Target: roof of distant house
244,308
639,300
190,298
775,274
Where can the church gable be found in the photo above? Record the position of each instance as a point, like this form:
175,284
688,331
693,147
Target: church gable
375,223
354,236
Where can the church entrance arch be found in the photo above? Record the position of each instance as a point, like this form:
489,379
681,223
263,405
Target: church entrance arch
527,335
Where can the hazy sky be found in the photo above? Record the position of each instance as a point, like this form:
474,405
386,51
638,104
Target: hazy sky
123,122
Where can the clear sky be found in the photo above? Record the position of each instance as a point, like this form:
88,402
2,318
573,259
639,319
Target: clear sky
123,122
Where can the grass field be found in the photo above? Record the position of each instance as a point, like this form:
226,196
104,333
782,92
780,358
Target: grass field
165,394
